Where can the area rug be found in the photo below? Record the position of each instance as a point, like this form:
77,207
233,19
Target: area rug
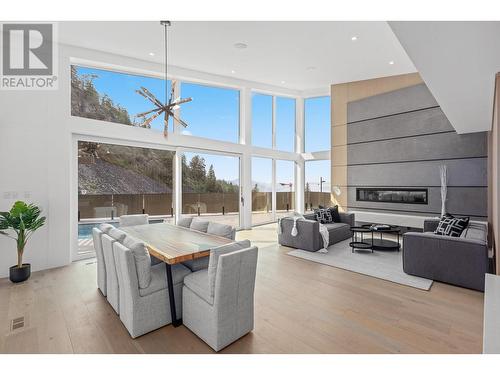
386,265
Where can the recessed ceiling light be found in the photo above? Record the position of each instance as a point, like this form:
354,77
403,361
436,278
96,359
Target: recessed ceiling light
310,68
151,53
233,71
354,38
391,62
282,82
240,45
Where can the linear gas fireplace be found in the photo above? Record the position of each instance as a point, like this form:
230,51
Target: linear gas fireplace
392,195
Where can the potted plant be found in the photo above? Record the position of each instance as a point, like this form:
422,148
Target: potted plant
21,221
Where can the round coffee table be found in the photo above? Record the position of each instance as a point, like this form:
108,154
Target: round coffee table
363,238
382,243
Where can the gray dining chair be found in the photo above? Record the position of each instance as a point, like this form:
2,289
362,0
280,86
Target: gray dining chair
144,309
217,229
221,230
218,302
112,291
101,265
131,220
185,221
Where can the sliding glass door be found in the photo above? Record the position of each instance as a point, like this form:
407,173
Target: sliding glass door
285,188
115,180
211,187
262,191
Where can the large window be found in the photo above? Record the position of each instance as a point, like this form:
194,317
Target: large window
262,120
214,112
211,187
278,117
285,124
110,96
118,180
317,184
262,188
285,187
317,124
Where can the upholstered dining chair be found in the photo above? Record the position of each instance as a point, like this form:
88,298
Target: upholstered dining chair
131,220
144,299
101,265
218,302
112,291
185,221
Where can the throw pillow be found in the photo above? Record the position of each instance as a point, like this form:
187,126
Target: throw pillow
334,211
451,226
323,215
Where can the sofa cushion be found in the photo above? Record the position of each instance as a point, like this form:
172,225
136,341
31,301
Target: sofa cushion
199,225
221,230
117,234
142,260
198,283
338,232
159,278
185,222
214,259
451,226
476,231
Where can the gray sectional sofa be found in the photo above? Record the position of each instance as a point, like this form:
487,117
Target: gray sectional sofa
308,237
461,261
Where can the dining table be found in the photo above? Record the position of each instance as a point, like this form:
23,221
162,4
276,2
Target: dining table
173,244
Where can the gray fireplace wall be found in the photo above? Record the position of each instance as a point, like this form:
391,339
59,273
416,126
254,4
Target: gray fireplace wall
399,139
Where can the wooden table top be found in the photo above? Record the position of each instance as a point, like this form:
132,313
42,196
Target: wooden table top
174,244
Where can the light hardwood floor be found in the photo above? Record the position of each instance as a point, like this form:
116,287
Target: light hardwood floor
300,307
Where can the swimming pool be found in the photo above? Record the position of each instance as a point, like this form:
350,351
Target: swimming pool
85,229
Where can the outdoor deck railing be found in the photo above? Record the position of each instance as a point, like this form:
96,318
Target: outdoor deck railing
115,205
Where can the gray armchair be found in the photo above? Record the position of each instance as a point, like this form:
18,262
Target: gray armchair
461,261
308,237
218,302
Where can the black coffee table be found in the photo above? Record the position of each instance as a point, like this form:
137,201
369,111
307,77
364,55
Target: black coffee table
364,238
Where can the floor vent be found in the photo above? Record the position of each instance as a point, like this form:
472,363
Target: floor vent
17,323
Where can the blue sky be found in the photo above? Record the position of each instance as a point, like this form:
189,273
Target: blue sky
214,113
317,123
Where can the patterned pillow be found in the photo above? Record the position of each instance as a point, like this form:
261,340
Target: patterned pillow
323,215
451,226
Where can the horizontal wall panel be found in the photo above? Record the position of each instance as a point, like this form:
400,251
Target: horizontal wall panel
395,219
394,102
460,201
429,147
426,121
461,172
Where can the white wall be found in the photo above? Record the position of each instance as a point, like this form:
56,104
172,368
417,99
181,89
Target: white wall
38,154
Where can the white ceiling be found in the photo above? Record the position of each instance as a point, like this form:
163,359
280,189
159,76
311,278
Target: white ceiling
458,62
294,55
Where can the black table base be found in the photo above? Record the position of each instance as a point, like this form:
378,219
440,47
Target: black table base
170,285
